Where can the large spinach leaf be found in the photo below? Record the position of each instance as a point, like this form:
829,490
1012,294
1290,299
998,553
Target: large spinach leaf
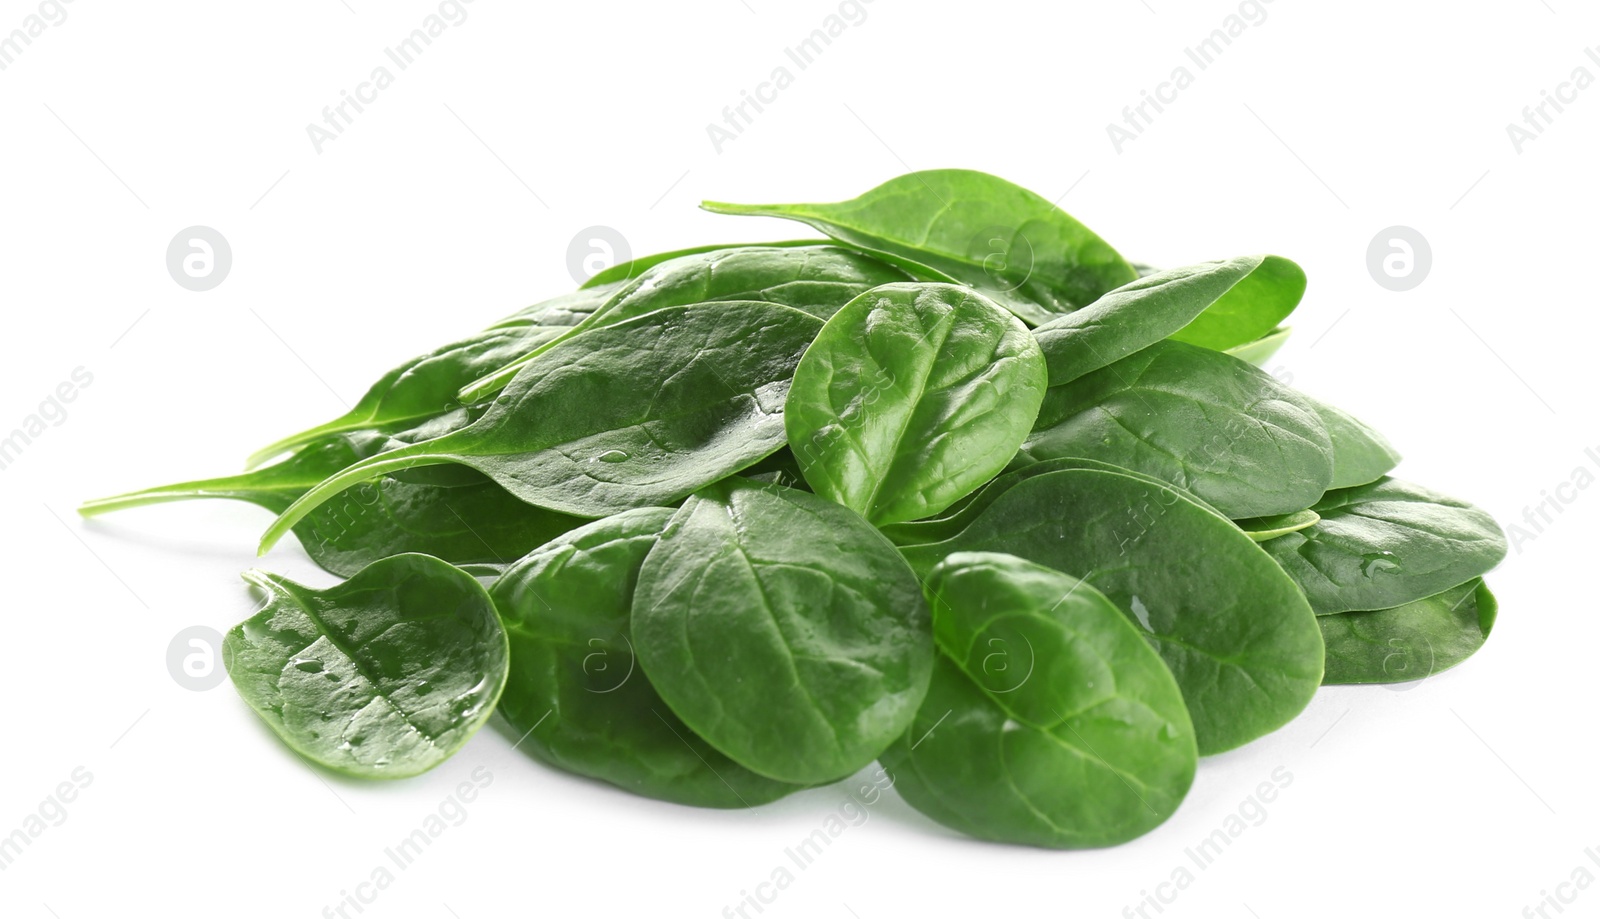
1217,305
784,629
1410,642
384,676
576,694
976,228
912,396
1360,454
1049,720
1386,544
636,414
1204,421
1240,639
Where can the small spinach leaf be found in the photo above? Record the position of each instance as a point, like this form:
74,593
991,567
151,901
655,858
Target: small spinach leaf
1410,642
976,228
1360,454
1049,721
1215,305
783,629
1261,350
636,414
1206,422
576,694
384,676
912,396
1240,639
1386,544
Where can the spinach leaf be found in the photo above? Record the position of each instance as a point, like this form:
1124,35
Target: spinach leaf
1206,422
1360,454
975,228
636,414
783,629
1410,642
1386,544
1261,350
458,515
912,396
576,694
1215,305
1049,721
384,676
426,386
815,279
1240,639
1262,529
627,271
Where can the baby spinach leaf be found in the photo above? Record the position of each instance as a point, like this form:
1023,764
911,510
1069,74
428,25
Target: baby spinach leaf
1237,634
1206,422
636,414
976,228
1360,454
815,279
1410,642
426,386
1261,350
1213,305
1049,721
1262,529
576,694
1386,544
461,517
912,396
783,629
384,676
627,271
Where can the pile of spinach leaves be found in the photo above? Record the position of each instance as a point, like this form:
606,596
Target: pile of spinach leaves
957,488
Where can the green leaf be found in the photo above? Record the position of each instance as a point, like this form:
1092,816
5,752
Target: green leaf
783,629
912,396
1236,633
1049,721
384,676
975,228
1261,350
576,694
1410,642
461,517
426,386
636,414
1262,529
1386,544
1215,305
814,279
1360,454
627,271
1206,422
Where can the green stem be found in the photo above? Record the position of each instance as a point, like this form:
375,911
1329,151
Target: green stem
336,426
234,486
364,471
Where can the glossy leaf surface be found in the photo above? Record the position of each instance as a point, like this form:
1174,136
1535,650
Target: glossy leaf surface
1262,529
912,396
384,676
1410,642
783,629
1360,454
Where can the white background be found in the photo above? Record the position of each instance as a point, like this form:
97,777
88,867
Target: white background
452,201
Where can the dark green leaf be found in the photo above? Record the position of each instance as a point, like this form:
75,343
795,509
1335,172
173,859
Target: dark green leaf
627,271
384,676
1410,642
1206,422
1360,454
1386,544
912,396
576,694
1049,721
783,629
975,228
1240,639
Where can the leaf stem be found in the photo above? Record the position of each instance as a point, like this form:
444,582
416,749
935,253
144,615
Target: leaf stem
364,471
